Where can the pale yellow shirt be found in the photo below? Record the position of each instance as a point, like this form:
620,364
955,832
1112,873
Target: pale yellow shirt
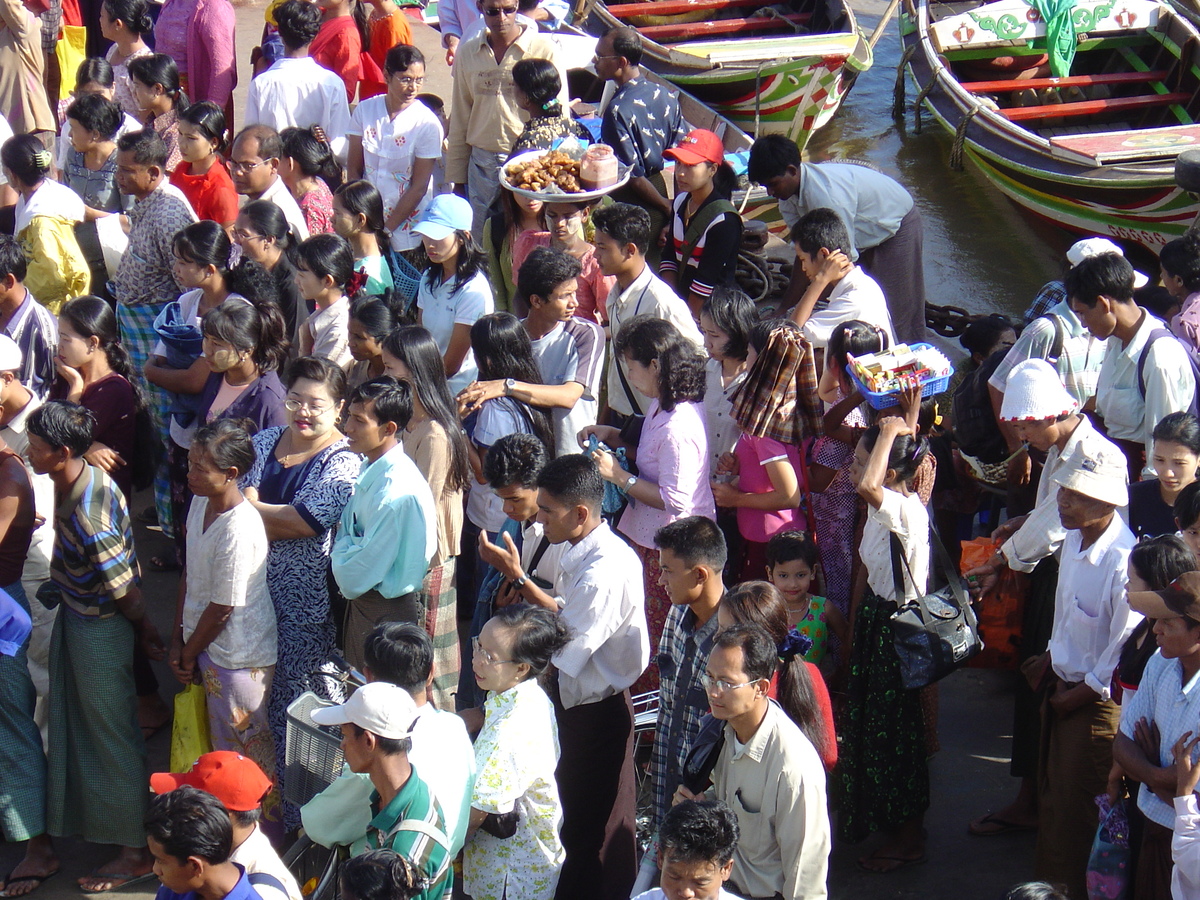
485,111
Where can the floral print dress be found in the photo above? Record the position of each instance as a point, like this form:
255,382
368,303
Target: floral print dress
516,754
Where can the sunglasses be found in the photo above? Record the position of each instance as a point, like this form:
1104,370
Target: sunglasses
495,11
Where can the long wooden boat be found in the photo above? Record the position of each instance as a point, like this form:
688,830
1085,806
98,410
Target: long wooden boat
770,69
1094,150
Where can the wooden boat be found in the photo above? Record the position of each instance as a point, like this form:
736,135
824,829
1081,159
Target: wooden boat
769,69
1093,151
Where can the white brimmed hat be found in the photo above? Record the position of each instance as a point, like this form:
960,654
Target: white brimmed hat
378,707
1094,246
10,354
1035,393
1103,477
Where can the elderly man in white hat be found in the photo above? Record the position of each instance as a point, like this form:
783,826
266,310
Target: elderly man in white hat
376,723
1092,619
1044,416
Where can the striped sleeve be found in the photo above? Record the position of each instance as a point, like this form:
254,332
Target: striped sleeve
589,345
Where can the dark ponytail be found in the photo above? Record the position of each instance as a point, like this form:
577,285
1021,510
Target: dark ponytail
907,454
258,329
160,69
361,198
313,155
91,316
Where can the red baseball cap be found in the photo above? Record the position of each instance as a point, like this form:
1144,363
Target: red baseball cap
699,146
235,780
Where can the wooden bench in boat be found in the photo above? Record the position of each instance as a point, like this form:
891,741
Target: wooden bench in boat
1091,107
1007,20
700,30
675,7
1020,84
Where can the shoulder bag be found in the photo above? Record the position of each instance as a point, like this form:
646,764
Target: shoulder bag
935,633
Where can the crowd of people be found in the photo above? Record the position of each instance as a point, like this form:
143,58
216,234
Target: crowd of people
372,393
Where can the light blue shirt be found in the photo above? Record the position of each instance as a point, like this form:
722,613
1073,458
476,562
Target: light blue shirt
443,305
1174,707
388,530
870,203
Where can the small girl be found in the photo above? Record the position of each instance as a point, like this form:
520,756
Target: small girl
791,567
884,777
154,80
201,175
311,173
371,321
566,226
358,217
1175,455
325,275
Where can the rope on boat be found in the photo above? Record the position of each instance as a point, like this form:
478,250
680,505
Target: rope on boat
919,102
901,80
960,139
754,275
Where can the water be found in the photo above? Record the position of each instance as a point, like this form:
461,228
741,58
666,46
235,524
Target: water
981,252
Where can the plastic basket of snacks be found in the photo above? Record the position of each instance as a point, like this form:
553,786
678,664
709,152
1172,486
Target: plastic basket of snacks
881,376
572,172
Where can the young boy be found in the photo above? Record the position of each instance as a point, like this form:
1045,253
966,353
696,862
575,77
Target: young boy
1187,516
791,567
695,852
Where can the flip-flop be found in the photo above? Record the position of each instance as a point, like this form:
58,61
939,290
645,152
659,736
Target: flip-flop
118,879
36,880
1002,826
902,862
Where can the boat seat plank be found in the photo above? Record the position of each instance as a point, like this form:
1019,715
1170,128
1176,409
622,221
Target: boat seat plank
675,7
1091,107
1020,84
694,30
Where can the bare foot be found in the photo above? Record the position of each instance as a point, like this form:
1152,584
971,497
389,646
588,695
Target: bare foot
130,863
39,863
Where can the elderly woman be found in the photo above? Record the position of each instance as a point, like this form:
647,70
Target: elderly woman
671,452
302,478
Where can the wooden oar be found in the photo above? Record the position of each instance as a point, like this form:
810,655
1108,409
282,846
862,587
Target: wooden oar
883,23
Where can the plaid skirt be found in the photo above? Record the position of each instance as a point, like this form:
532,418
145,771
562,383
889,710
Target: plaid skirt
441,621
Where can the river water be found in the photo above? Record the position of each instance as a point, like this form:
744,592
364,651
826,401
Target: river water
982,253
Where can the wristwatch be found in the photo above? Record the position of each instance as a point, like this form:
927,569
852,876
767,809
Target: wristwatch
519,583
633,479
510,385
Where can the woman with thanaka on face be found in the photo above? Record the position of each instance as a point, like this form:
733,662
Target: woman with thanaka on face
301,480
435,441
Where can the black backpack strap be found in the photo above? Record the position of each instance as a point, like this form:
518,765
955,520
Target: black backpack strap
1059,338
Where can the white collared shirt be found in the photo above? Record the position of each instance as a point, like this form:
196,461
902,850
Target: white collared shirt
1092,617
646,295
856,296
279,194
604,606
301,93
1129,416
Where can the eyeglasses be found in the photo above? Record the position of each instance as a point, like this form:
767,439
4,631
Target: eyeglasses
602,56
720,686
296,405
486,656
236,166
495,11
240,235
406,81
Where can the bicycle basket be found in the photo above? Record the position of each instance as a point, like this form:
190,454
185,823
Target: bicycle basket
313,757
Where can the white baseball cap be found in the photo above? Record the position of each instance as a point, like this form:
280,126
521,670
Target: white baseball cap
1094,246
380,708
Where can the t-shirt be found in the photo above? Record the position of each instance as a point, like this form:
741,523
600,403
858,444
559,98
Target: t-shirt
391,144
212,194
444,304
1149,516
227,565
572,351
379,274
753,454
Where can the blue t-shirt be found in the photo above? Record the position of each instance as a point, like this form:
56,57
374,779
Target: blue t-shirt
243,890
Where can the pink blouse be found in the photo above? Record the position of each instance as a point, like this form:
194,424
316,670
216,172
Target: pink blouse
753,454
594,285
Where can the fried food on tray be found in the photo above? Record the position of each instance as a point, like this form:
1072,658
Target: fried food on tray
554,169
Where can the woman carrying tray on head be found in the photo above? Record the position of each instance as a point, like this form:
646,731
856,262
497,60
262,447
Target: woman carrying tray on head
536,86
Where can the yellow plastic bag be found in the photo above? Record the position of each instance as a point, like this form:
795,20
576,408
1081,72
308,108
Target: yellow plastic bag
189,734
71,50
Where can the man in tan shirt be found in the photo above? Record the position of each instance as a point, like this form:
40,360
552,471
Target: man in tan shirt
486,120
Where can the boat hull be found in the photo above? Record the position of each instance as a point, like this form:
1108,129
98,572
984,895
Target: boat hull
1136,203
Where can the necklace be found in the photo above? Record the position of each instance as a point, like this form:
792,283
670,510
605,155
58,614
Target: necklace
299,455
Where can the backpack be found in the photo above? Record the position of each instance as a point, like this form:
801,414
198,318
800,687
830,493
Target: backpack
1155,335
975,427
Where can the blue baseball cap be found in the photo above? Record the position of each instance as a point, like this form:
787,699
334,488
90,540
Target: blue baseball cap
447,214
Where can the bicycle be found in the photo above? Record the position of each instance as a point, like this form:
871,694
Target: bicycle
645,721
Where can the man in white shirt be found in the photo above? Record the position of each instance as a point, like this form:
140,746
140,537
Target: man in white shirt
767,772
622,237
823,247
254,169
1092,618
297,91
241,786
603,605
569,350
1146,373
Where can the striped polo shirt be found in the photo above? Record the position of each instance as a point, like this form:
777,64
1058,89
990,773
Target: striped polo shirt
93,557
413,826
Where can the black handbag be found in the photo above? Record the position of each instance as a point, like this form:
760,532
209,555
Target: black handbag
935,633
